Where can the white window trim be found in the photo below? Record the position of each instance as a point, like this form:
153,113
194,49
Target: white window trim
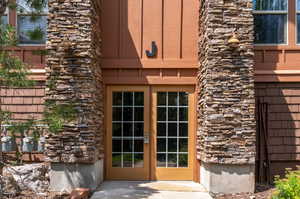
279,12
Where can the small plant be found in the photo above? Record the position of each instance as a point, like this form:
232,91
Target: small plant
56,115
288,187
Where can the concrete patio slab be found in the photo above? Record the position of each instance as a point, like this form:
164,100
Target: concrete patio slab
150,190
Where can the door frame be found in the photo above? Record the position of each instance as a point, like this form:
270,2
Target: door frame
150,124
112,173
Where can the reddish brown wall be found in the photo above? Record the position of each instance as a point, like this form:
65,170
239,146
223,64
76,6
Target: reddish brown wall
133,25
283,123
31,55
24,103
274,63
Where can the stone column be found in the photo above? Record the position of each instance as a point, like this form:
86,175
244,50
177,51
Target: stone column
226,105
74,76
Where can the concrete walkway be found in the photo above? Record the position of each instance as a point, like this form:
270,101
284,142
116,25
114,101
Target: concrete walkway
150,190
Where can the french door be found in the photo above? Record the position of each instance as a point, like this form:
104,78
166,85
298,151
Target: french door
150,133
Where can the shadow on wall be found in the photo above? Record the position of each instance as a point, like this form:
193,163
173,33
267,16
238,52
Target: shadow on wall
278,144
120,39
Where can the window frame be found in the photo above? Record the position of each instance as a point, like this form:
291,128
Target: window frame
297,12
17,14
276,12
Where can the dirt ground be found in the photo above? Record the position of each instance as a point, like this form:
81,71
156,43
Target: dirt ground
261,192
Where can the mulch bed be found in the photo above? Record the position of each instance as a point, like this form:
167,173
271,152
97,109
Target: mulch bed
31,195
261,192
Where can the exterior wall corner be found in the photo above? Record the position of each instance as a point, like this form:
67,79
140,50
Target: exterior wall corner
226,103
74,76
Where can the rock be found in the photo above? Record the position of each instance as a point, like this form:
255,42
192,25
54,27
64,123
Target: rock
80,193
33,177
74,72
9,186
226,103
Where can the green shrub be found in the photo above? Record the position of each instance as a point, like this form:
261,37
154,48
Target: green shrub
288,187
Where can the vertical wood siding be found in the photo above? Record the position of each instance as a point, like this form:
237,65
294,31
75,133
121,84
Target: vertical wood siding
129,27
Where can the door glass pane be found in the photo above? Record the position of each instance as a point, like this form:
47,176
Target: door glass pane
128,98
127,159
172,129
127,113
128,129
139,99
183,160
172,160
117,99
161,129
138,129
117,160
172,99
183,99
161,144
117,114
139,114
172,145
117,129
138,160
161,160
161,99
172,114
161,114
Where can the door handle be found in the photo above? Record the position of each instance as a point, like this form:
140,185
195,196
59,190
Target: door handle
146,138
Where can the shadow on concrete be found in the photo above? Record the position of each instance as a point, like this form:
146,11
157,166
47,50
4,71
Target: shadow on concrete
150,190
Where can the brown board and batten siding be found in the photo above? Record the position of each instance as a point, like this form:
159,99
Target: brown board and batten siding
128,29
283,101
280,63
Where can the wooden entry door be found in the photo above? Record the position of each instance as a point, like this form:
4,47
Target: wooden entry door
173,133
128,127
150,133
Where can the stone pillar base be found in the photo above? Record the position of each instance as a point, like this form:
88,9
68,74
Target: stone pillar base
66,177
224,178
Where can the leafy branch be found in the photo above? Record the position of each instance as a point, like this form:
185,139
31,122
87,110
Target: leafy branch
57,115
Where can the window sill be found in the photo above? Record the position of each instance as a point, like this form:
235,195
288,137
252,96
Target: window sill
277,47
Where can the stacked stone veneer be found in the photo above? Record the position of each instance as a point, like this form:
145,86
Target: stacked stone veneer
74,76
226,105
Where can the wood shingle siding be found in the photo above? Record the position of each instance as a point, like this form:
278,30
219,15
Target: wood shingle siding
283,101
24,103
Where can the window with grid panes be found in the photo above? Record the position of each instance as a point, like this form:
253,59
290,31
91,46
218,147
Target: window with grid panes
270,21
26,23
